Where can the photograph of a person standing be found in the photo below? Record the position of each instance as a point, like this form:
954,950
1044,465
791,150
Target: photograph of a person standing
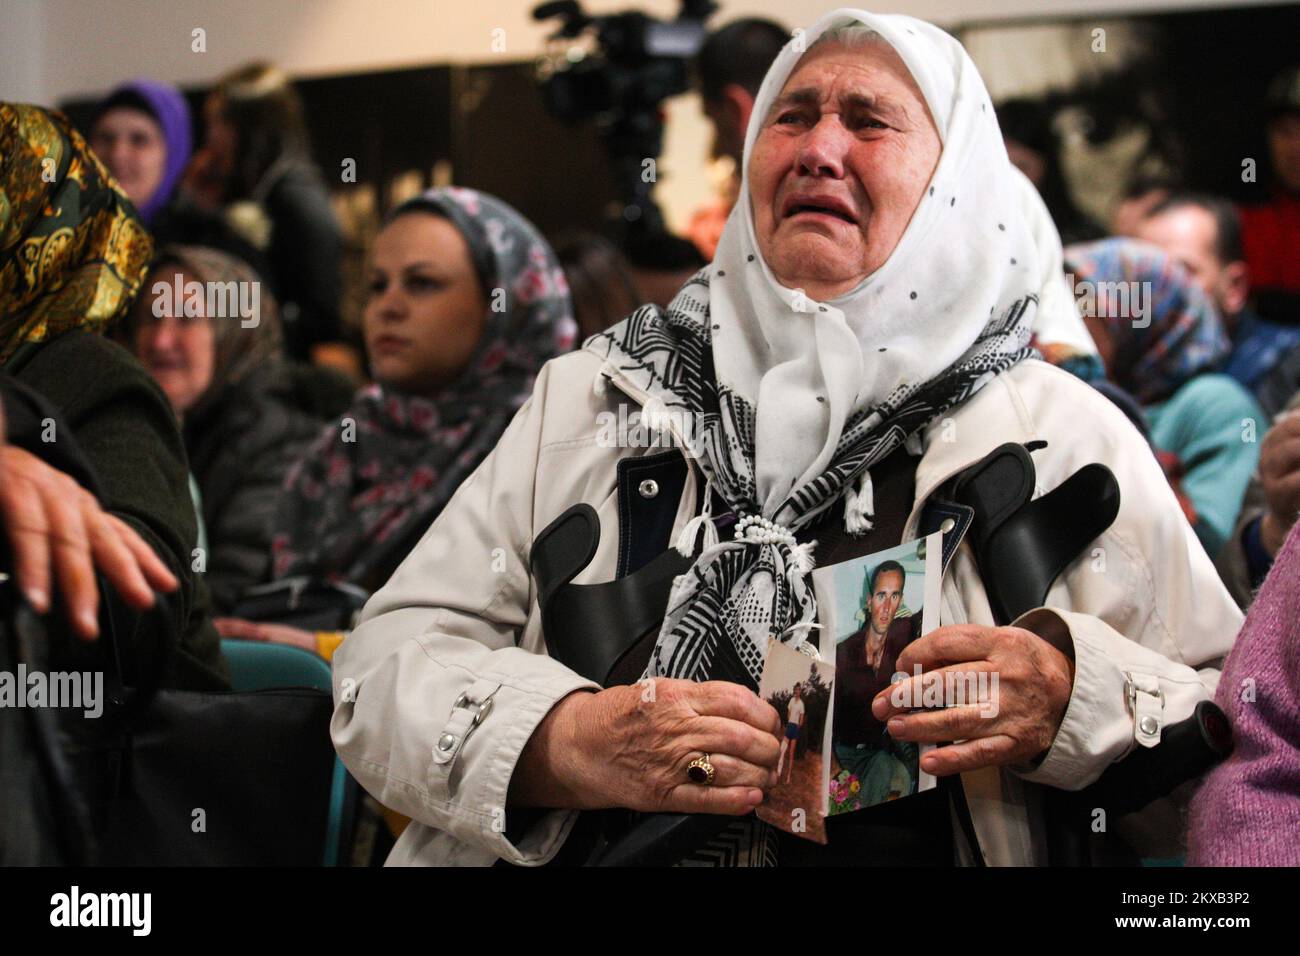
793,729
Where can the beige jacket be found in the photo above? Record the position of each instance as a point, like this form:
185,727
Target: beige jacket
455,635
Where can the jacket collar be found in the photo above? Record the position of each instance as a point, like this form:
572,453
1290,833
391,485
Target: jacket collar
994,415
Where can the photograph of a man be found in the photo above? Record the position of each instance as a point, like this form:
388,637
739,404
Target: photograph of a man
874,766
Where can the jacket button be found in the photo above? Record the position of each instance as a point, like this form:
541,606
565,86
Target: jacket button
648,488
947,525
1149,725
446,742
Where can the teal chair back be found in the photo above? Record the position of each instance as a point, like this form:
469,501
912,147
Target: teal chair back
256,665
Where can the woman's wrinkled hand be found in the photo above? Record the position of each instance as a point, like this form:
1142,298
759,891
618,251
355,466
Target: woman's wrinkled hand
630,747
59,535
1013,722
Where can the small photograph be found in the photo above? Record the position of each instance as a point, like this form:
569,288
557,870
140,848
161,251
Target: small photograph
799,687
873,607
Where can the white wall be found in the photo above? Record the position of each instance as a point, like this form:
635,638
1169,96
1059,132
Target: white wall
22,43
51,49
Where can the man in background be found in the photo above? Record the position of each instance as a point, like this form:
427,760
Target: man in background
1142,194
1269,510
1203,233
729,70
1271,231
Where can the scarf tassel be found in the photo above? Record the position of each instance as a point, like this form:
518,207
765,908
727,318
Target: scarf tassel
859,505
802,554
686,540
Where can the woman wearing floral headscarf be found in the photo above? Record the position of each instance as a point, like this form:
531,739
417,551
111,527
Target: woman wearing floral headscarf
467,302
859,341
73,254
1205,427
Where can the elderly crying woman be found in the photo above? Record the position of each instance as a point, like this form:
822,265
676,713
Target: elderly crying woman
862,337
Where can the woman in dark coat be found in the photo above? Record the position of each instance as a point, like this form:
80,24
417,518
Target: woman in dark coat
73,253
237,400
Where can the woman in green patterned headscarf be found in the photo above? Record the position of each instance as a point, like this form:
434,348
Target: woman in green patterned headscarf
73,251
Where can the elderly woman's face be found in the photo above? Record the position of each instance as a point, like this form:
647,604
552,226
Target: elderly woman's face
839,166
177,349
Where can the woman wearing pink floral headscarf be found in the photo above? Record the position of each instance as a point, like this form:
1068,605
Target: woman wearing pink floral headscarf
466,302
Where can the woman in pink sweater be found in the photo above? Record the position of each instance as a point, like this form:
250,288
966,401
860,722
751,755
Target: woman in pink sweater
1247,813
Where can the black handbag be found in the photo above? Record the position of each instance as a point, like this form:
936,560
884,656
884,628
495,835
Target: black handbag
44,817
162,777
210,778
213,779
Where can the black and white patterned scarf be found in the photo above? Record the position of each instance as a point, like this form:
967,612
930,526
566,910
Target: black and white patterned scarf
740,594
787,402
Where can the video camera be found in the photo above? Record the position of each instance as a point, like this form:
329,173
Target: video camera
636,63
